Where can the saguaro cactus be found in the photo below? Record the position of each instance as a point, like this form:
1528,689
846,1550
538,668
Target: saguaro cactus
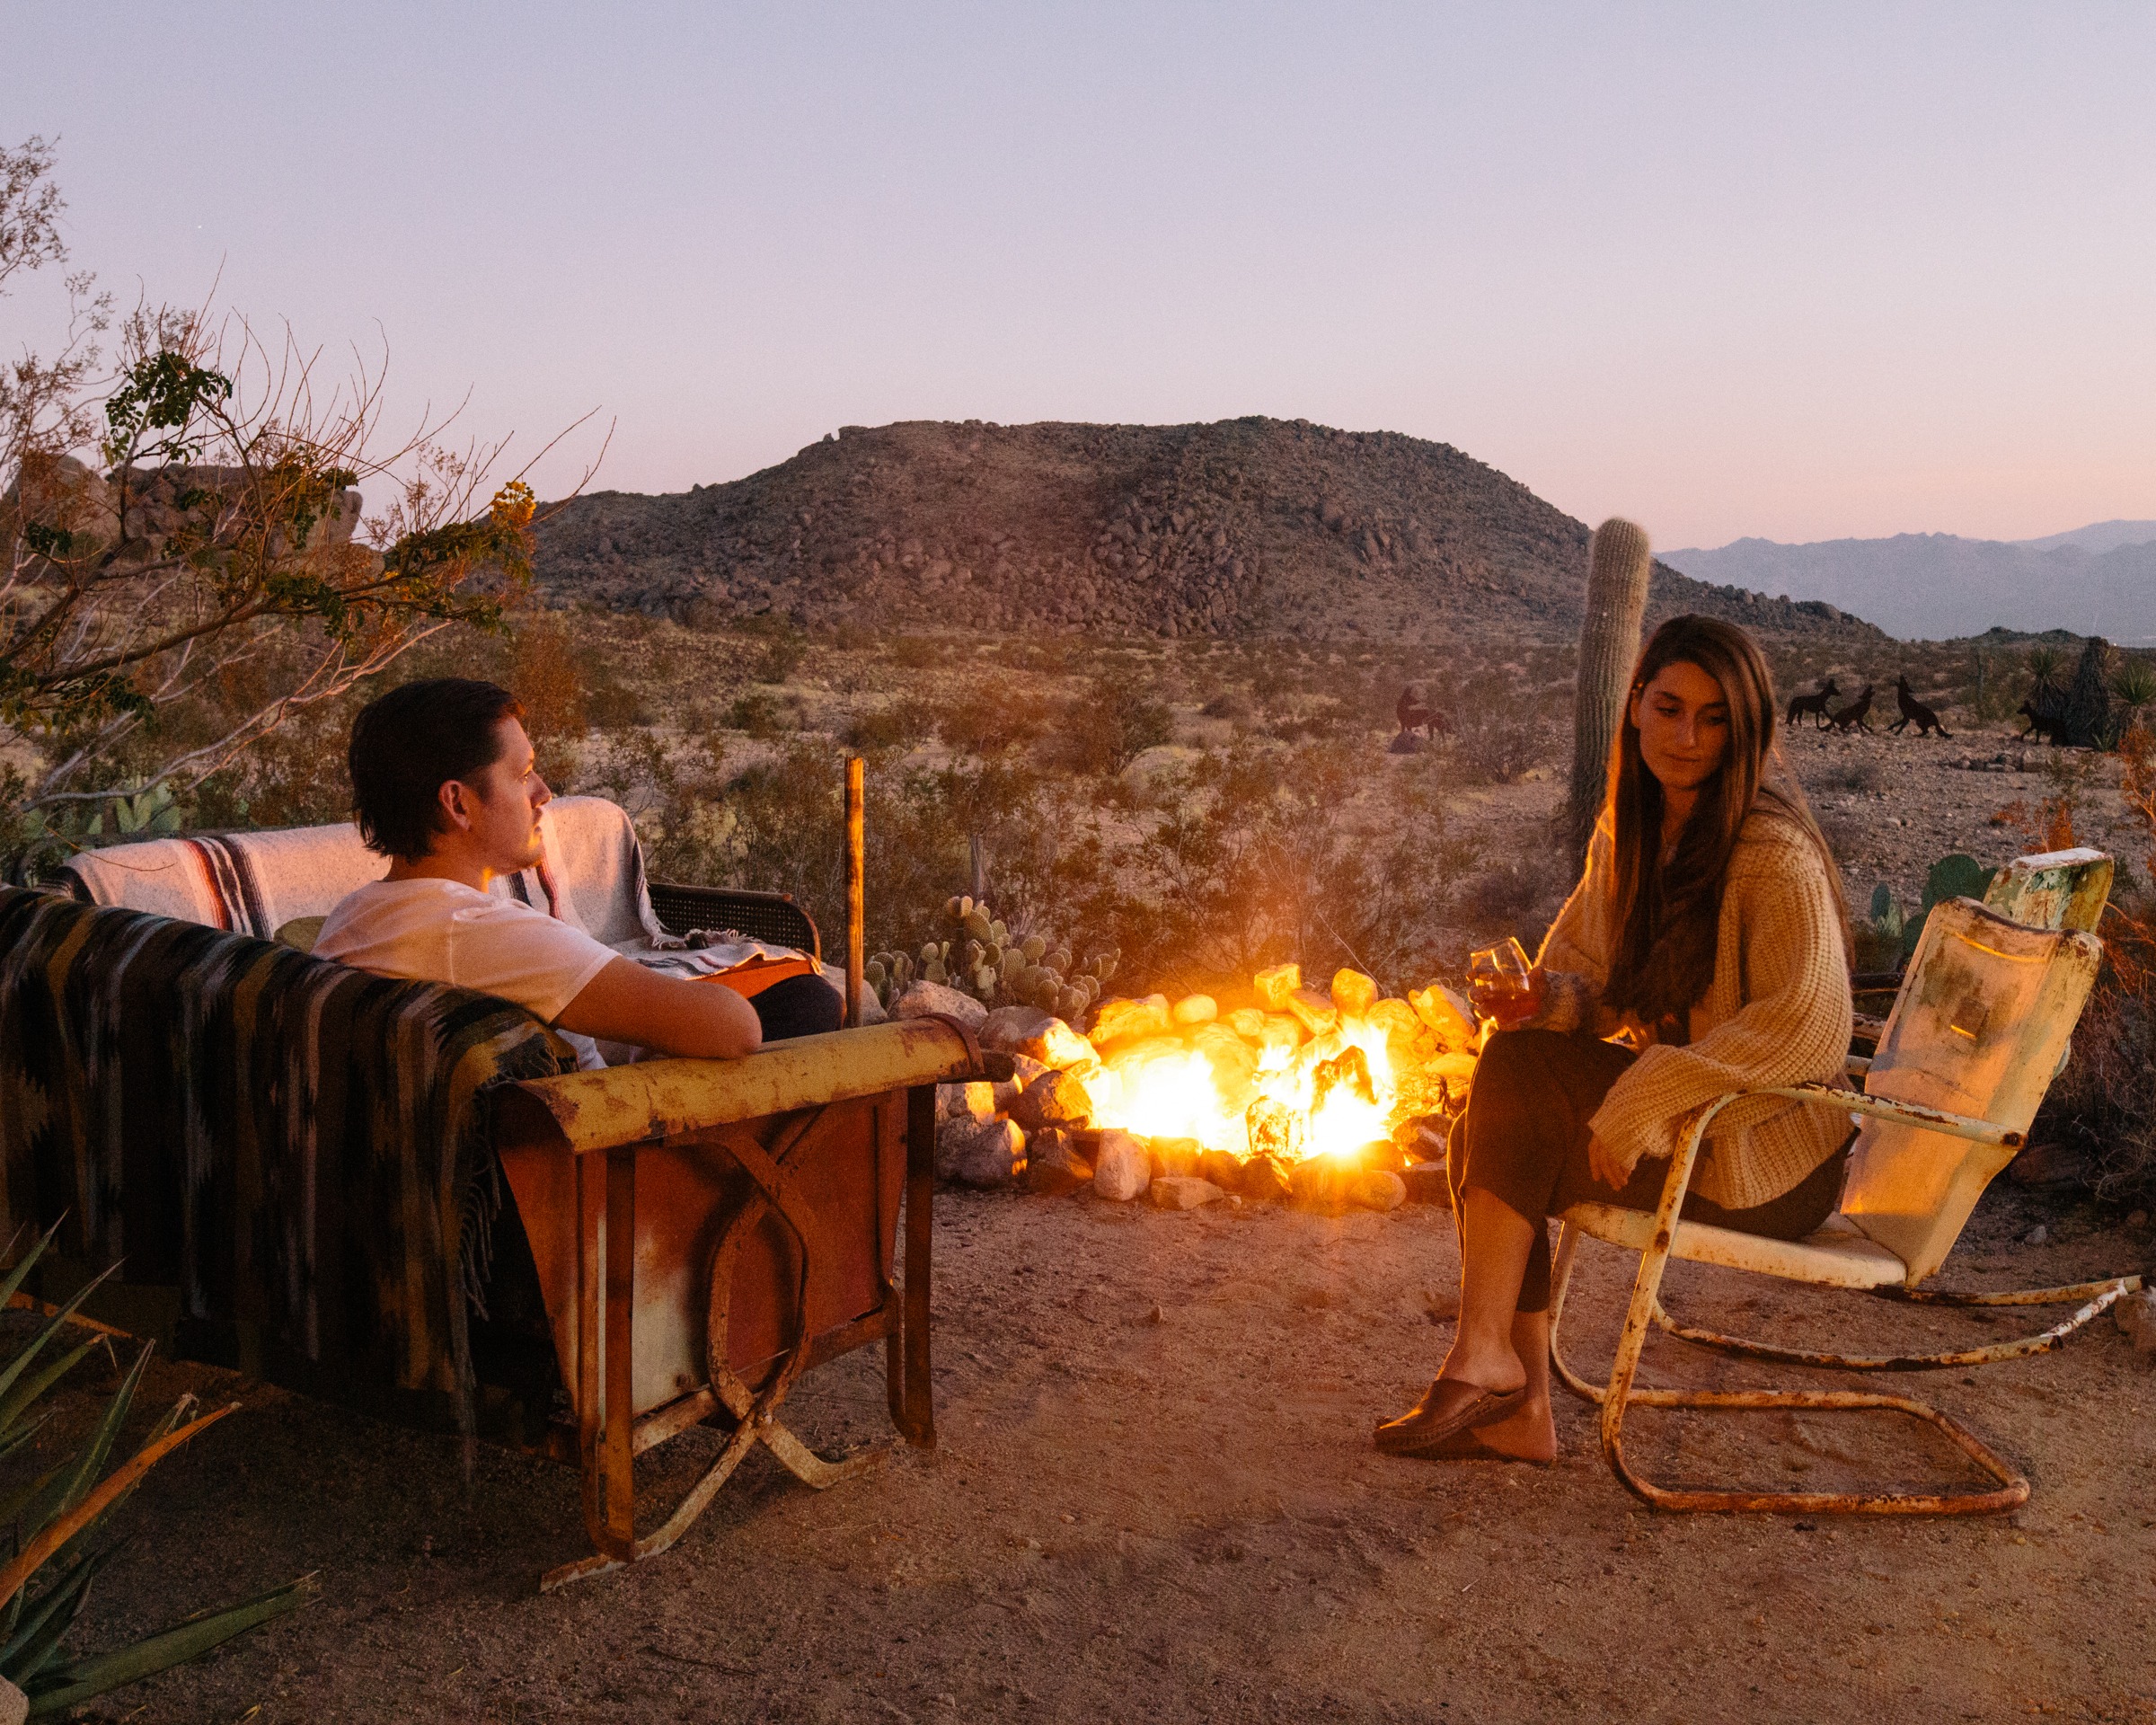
1609,642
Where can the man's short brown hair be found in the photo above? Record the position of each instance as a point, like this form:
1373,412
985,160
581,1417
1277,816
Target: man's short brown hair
409,743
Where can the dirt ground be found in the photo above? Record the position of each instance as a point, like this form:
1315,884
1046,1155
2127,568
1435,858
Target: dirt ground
1154,1498
1154,1495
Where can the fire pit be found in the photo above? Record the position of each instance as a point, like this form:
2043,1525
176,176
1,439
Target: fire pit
1327,1098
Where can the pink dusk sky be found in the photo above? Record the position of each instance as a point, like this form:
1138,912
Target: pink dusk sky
1802,272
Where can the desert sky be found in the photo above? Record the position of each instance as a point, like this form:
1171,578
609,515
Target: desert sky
1802,271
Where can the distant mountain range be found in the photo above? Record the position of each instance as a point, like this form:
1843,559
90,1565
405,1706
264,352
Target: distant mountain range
2097,580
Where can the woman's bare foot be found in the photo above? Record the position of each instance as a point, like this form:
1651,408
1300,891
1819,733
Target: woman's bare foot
1528,1434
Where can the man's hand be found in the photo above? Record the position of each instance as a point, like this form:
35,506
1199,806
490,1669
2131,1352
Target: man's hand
1603,1163
626,1003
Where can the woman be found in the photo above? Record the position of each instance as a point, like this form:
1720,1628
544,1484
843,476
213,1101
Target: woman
1709,931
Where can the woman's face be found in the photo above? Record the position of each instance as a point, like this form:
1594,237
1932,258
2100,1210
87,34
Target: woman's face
1683,724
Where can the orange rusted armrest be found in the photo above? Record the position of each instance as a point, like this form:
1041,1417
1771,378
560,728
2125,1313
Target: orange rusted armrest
586,1111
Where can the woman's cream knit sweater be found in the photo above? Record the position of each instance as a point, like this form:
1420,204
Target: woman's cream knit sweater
1777,1012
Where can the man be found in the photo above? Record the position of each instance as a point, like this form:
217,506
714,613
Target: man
444,784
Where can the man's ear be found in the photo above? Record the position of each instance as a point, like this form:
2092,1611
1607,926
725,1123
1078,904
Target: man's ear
456,802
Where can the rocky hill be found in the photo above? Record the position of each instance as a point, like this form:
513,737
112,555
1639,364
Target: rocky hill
1251,527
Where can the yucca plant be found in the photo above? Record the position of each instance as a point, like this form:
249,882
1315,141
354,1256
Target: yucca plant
49,1528
2133,687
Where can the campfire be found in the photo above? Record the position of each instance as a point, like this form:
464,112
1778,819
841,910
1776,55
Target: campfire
1301,1075
1327,1098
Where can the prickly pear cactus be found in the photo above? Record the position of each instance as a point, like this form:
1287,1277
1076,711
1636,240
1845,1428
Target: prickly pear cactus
981,956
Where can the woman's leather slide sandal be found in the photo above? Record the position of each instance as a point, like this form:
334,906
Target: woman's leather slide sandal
1419,1431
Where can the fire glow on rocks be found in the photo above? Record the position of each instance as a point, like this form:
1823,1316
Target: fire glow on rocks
1302,1074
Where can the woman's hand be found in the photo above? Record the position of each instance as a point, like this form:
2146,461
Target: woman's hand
1603,1163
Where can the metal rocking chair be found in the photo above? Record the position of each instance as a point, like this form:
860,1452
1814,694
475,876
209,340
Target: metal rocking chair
1979,1029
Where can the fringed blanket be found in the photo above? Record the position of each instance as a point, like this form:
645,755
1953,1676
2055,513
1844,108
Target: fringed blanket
291,1144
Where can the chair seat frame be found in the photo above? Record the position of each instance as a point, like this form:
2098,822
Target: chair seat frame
2008,1487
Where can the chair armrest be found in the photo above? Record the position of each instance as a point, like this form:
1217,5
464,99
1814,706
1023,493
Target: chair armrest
772,916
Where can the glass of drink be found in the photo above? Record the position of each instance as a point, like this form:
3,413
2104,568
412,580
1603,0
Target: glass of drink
1507,990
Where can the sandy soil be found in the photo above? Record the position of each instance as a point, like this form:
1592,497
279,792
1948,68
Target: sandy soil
1154,1497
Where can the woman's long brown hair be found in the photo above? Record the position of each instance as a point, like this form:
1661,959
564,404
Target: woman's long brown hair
1668,914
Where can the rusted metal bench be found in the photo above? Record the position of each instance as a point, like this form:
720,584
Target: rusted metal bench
1981,1025
705,1231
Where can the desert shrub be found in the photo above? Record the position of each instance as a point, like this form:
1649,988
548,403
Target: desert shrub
1265,855
757,711
992,715
1517,895
899,725
915,652
1499,733
1860,776
2106,1098
1110,725
1232,705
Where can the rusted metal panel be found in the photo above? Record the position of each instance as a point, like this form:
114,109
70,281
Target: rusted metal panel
586,1111
2052,889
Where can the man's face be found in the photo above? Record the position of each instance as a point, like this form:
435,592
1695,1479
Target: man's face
498,805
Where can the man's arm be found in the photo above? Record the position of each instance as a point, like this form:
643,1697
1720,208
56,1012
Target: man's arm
626,1003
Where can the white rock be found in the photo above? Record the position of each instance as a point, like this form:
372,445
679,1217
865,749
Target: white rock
1195,1009
1172,1194
1123,1170
923,999
2136,1316
975,1101
14,1705
979,1152
1380,1189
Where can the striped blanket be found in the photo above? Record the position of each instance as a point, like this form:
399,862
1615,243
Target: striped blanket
295,1147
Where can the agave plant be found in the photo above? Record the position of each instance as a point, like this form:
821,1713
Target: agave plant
51,1526
2134,686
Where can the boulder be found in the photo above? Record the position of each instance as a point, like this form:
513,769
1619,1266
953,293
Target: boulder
979,1152
975,1101
1264,1179
1427,1182
1117,1020
1247,1022
1380,1189
1008,1029
1195,1009
1323,1183
1275,984
1057,1045
1176,1192
1057,1099
1122,1169
926,999
1353,991
1223,1168
1314,1011
1450,1018
1053,1164
2136,1316
1175,1158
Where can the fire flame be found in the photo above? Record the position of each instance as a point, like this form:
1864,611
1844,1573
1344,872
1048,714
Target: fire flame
1333,1095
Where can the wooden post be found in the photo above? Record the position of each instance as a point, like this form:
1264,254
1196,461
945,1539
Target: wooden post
855,866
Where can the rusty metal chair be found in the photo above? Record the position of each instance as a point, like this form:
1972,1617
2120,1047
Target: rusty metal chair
1978,1030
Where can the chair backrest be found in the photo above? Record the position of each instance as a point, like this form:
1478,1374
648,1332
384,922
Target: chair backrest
256,883
2052,889
1979,1028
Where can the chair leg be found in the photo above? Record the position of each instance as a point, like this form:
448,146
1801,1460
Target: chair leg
2011,1488
2104,1295
1560,1279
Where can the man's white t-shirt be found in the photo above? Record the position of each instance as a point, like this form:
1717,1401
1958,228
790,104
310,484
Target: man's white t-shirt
442,931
